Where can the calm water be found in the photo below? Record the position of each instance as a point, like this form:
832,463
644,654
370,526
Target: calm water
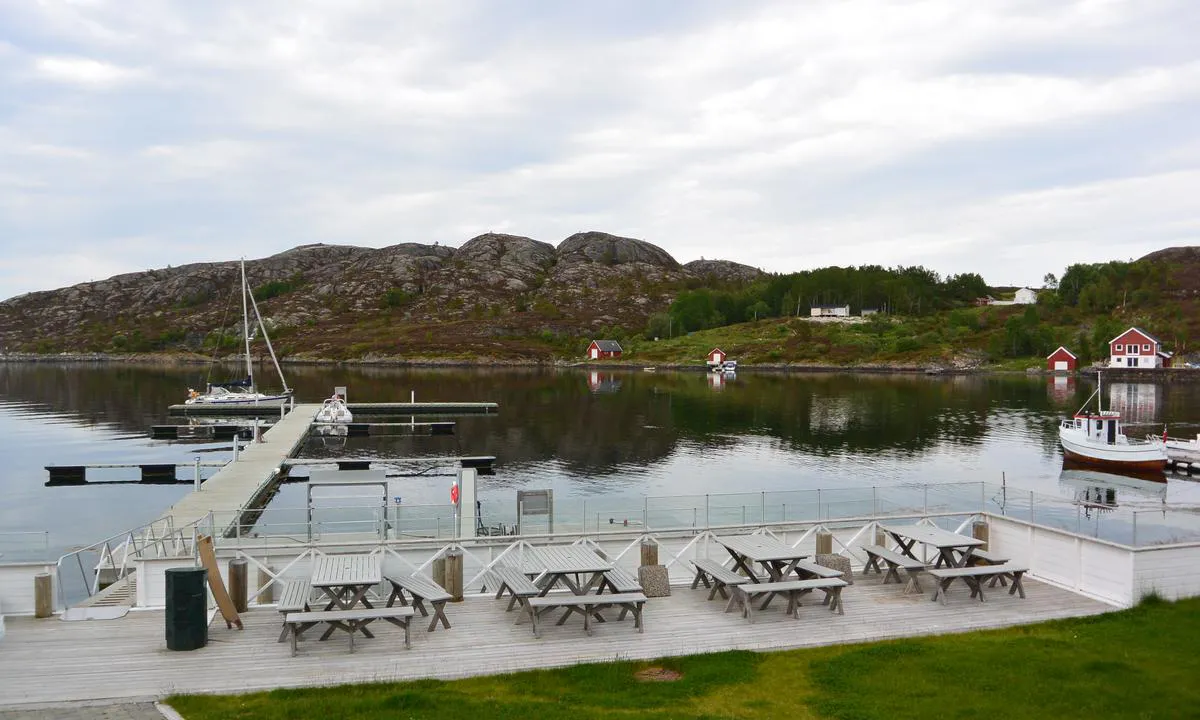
603,438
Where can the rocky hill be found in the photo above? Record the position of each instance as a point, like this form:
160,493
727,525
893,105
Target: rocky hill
497,295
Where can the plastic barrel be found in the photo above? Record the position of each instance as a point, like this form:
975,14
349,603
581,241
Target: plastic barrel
187,608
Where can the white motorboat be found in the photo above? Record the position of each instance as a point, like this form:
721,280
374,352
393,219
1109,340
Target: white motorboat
243,391
1096,439
334,410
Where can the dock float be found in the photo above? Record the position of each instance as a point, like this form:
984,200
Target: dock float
377,429
369,409
150,473
483,463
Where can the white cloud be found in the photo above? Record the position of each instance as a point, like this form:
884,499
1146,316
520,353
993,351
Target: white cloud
783,135
85,71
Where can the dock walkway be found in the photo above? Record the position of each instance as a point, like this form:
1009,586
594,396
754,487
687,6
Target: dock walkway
238,483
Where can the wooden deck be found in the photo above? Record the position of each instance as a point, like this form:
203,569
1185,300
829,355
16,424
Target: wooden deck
236,484
47,661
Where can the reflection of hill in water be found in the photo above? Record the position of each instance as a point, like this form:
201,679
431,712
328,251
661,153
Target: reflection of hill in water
555,415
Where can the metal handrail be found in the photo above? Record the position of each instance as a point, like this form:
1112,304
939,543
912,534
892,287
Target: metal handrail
118,550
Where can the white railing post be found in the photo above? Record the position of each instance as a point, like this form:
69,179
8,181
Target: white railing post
1135,528
197,474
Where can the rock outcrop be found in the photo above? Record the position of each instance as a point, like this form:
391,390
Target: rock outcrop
496,290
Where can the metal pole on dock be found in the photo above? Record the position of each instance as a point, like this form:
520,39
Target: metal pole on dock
237,446
197,474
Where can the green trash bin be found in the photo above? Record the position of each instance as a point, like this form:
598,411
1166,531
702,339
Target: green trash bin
187,608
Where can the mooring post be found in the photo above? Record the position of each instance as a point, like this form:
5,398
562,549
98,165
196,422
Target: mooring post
237,446
197,473
43,595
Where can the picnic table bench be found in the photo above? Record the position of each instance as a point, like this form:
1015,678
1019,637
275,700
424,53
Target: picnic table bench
810,570
352,621
587,606
895,562
296,596
716,576
514,582
974,576
746,593
985,557
421,590
618,581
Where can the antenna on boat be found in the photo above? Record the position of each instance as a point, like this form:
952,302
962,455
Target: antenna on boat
1099,400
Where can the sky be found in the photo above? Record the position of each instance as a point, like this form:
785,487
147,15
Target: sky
1008,138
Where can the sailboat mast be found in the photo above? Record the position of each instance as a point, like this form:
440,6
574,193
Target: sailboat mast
246,328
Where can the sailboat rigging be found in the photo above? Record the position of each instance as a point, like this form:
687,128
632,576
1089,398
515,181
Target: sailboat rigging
244,392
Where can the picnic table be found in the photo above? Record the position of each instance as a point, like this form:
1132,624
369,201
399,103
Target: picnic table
345,580
954,550
778,558
566,564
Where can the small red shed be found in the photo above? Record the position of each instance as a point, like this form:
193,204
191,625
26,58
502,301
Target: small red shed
1062,360
604,349
716,356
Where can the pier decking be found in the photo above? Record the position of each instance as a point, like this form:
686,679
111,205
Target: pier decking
238,483
366,409
46,661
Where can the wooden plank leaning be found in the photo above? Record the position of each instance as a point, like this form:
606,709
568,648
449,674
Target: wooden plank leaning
216,585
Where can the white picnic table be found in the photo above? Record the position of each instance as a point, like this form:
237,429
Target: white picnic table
954,550
554,564
345,580
778,558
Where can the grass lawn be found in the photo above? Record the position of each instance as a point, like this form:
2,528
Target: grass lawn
1139,663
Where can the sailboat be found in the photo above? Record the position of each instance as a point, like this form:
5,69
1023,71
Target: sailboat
1096,439
243,391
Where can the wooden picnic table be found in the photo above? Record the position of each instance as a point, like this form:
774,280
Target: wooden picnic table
345,580
566,564
778,558
954,550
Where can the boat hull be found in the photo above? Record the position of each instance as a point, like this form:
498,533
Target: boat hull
265,401
1141,457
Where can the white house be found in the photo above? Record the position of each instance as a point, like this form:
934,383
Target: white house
830,311
1025,296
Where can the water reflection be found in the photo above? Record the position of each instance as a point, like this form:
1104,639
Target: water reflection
592,433
1101,491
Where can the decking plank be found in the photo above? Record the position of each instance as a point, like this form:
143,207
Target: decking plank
83,657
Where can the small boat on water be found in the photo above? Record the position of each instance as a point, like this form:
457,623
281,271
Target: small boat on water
1096,439
334,410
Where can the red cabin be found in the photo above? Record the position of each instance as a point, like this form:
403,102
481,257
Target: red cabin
1062,360
716,356
604,349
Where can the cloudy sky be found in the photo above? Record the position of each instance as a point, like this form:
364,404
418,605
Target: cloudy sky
1008,138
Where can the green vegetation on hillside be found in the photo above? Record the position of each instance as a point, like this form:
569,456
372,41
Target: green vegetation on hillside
1135,663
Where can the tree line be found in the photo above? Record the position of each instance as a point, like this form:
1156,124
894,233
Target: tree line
912,290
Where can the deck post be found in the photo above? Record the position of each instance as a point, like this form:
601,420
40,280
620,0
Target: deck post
454,575
197,474
824,542
238,571
237,446
43,595
649,552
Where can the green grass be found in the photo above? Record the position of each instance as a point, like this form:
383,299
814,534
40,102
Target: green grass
1139,663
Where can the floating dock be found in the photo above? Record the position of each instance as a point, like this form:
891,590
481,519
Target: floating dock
354,429
368,409
242,484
